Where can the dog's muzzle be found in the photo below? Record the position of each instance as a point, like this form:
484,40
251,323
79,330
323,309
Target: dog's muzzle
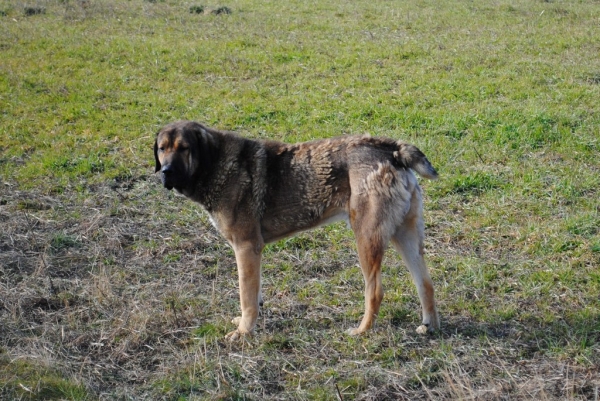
167,176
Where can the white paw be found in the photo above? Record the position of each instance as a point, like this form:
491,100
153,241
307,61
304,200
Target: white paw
424,329
236,335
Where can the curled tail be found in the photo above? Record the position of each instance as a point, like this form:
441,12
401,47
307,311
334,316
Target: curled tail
410,156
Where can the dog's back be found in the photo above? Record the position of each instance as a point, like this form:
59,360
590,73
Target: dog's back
310,183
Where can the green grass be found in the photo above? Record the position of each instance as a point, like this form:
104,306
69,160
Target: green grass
110,287
27,380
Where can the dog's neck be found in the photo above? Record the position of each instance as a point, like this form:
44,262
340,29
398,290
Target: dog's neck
226,178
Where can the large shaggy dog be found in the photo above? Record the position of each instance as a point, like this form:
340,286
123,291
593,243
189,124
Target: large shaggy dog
261,191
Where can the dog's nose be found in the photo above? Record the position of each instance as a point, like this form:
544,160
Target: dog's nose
167,170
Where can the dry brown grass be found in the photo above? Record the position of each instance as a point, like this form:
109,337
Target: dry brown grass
127,292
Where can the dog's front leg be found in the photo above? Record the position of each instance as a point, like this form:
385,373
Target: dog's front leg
247,256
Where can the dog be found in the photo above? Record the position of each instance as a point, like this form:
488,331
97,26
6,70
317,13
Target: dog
260,191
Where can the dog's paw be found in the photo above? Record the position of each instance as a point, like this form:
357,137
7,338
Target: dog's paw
425,329
355,331
236,336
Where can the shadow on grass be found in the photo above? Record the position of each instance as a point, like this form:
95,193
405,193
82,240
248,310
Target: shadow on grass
573,335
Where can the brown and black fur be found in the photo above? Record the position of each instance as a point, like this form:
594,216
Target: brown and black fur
257,192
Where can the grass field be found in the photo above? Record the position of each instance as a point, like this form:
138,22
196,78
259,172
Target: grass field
113,288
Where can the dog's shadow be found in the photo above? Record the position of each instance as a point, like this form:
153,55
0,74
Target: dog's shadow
579,331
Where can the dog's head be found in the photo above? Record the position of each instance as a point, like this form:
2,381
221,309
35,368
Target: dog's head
181,152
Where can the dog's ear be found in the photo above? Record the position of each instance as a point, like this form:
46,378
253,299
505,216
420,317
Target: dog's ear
158,166
205,148
203,135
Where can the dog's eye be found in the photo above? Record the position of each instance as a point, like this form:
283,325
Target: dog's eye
162,148
183,148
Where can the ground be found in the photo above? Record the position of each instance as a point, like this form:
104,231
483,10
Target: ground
112,287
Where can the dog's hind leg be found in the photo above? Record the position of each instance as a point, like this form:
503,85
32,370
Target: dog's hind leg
408,241
371,244
370,253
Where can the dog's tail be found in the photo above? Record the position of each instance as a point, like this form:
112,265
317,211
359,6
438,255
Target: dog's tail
410,156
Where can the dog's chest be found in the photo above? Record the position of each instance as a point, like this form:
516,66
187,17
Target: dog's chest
214,223
229,226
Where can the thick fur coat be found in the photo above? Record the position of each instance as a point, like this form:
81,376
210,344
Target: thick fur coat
261,191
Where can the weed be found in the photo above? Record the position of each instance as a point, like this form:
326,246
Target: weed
207,330
29,10
197,9
221,10
61,241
